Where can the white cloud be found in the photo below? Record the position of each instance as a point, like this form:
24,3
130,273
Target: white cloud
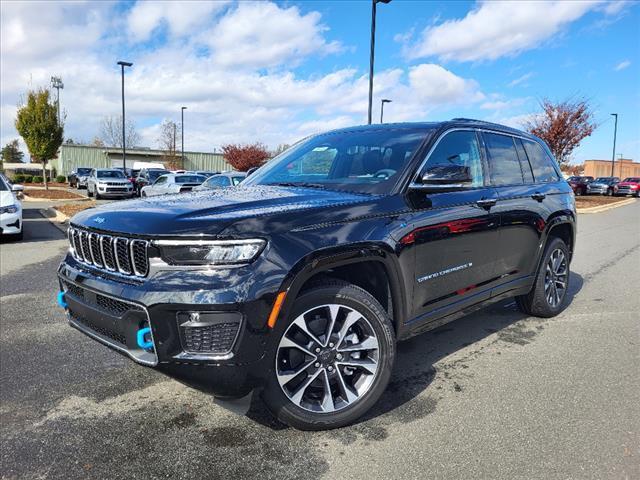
433,83
622,65
519,80
496,29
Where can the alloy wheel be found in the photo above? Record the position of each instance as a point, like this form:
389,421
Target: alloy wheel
555,280
327,358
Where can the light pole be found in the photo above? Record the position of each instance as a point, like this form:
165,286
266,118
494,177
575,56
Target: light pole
182,109
56,82
615,132
371,55
124,131
382,102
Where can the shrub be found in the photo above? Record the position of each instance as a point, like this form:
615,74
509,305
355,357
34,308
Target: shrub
28,179
38,179
18,178
61,179
244,157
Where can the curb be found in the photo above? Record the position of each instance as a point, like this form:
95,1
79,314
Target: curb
57,219
27,198
604,208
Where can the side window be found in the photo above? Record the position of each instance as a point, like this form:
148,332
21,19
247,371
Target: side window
161,180
459,148
543,169
524,162
504,164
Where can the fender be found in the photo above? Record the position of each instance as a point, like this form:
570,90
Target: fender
565,217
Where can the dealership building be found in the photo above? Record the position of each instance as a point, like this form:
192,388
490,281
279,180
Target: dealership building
622,167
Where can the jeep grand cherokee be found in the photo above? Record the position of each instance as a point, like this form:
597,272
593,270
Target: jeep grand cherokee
298,282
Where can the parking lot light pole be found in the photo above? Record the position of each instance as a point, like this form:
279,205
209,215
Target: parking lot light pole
371,55
615,132
56,82
124,131
382,102
182,109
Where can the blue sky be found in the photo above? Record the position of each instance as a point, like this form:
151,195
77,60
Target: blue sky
274,72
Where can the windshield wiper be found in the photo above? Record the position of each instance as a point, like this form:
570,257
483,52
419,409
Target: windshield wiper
298,184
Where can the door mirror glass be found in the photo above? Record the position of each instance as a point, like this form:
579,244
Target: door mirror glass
446,175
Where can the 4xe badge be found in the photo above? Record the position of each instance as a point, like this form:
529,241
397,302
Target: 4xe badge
99,220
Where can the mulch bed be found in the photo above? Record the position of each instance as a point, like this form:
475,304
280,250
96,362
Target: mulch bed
596,200
51,194
70,209
51,184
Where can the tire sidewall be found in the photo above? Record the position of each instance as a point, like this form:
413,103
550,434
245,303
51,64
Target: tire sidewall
551,247
359,300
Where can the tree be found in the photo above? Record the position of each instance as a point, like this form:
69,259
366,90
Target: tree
279,149
111,132
244,157
167,143
11,153
37,123
97,142
562,125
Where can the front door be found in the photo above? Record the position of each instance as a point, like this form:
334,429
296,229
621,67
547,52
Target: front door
454,234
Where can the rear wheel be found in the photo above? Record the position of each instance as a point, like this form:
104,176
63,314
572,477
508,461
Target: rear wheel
546,298
333,360
89,192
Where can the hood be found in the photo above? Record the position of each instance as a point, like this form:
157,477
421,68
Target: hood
210,212
624,184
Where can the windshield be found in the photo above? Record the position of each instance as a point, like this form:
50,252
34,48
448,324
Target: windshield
84,171
368,161
237,180
190,179
632,179
109,174
602,179
3,186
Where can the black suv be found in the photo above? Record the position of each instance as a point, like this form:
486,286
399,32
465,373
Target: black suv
298,282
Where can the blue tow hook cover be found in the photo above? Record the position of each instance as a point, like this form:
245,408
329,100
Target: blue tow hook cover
60,299
142,341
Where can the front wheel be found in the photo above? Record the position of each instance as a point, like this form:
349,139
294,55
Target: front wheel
334,358
89,192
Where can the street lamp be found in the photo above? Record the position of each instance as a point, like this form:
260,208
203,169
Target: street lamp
615,132
182,109
382,102
371,56
56,82
124,131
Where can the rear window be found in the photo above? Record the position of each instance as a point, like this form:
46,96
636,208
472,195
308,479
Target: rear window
190,179
504,165
541,163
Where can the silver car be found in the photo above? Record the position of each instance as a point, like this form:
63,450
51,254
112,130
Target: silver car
172,183
222,180
602,186
108,183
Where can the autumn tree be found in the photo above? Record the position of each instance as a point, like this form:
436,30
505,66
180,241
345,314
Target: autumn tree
244,157
111,132
167,143
562,125
37,123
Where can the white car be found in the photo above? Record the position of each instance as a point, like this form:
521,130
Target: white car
222,180
172,183
10,210
109,183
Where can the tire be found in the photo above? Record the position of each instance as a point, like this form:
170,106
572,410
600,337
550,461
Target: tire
541,301
89,192
609,192
578,192
143,195
98,197
354,388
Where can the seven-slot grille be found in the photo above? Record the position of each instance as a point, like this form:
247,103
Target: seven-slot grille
115,254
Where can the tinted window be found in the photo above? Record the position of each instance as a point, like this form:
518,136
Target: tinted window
459,148
84,171
110,174
161,180
524,163
236,180
3,186
153,174
189,179
632,179
503,160
216,182
543,169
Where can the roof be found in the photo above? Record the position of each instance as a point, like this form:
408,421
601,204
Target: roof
131,150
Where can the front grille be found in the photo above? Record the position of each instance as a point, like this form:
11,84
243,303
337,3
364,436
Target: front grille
212,339
96,300
115,254
105,332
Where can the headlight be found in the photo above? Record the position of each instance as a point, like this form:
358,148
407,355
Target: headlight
209,252
9,209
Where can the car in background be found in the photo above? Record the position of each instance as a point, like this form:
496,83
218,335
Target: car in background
222,180
147,176
10,210
109,182
78,178
205,173
579,184
172,183
131,174
602,186
629,186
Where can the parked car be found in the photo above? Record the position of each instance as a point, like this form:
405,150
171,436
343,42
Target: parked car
10,210
78,178
222,180
629,186
205,173
147,176
579,184
172,183
298,282
108,182
602,186
131,174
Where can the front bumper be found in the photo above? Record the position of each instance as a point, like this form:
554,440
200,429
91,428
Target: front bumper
597,190
11,223
626,191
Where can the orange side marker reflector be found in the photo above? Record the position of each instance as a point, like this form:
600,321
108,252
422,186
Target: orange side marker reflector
275,311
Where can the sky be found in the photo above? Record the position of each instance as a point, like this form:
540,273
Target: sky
275,72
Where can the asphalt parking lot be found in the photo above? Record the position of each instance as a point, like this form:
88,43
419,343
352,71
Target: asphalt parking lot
493,395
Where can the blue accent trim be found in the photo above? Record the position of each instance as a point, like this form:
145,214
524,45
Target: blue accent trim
142,343
60,300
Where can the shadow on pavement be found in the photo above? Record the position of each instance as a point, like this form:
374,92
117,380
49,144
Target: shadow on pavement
36,228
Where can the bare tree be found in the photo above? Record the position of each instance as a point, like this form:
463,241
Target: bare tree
167,143
111,132
563,125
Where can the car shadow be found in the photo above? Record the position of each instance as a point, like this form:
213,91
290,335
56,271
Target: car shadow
416,359
37,228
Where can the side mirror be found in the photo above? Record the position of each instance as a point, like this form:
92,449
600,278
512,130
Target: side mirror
17,188
444,178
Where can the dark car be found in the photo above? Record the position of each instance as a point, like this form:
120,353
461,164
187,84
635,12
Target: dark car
78,177
147,176
298,282
602,186
629,186
579,184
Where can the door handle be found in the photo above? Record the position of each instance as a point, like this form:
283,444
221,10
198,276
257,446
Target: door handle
538,196
486,202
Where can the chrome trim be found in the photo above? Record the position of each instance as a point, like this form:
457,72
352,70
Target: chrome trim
207,242
115,250
102,239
